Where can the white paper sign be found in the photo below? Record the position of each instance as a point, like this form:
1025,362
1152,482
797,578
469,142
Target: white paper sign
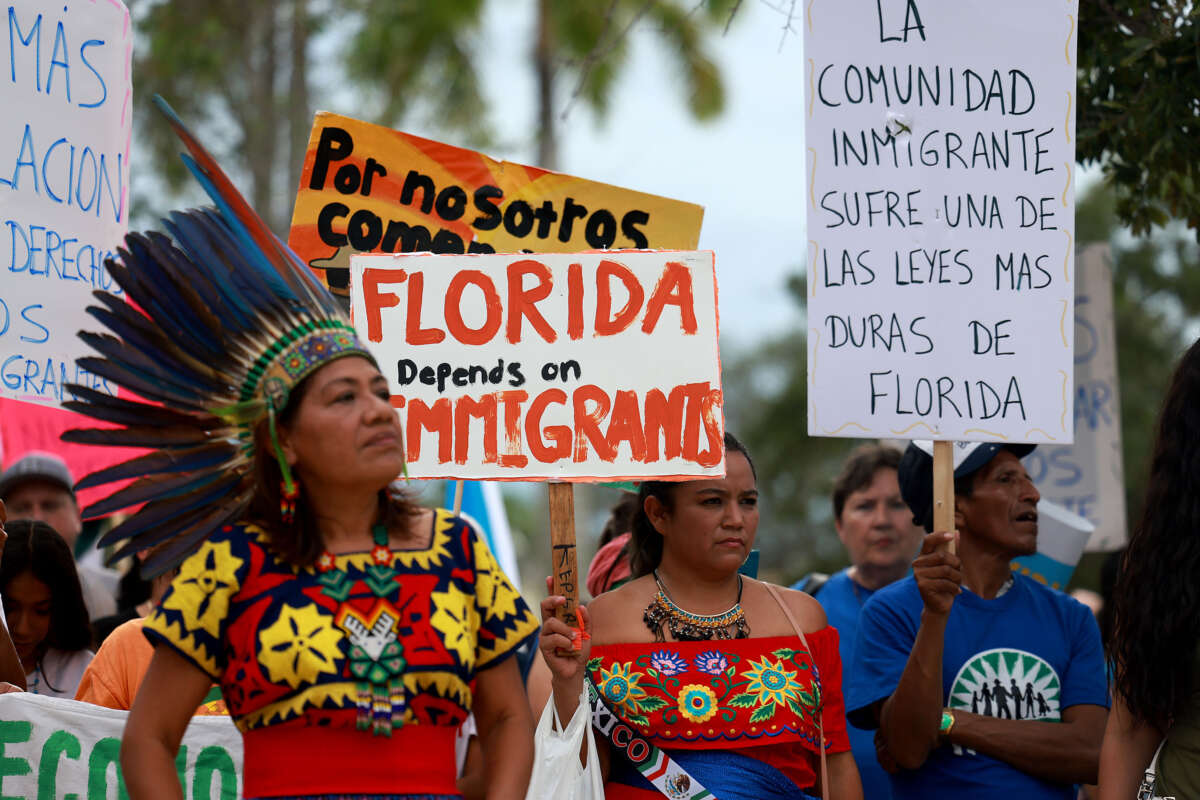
940,156
67,103
1088,477
50,747
589,366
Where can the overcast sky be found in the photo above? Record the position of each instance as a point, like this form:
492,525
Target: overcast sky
745,168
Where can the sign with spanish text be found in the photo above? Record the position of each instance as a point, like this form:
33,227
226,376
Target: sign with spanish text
64,184
369,189
51,747
940,162
571,367
1088,477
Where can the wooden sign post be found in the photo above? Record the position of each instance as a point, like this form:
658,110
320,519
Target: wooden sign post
562,549
515,367
943,488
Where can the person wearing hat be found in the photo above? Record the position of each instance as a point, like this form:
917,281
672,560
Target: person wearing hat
961,665
876,528
39,486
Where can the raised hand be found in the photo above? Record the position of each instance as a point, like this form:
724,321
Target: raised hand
565,649
938,572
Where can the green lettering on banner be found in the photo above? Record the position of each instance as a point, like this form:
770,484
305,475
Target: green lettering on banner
214,759
13,732
59,744
107,751
181,765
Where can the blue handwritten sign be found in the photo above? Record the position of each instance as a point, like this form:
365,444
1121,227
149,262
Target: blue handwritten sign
1088,477
64,183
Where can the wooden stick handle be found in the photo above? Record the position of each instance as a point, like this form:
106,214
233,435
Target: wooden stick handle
562,549
943,488
458,497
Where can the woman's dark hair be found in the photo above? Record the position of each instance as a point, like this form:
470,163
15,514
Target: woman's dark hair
300,542
33,546
646,544
620,518
1156,604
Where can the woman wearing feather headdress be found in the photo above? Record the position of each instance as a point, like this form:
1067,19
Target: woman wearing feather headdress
343,623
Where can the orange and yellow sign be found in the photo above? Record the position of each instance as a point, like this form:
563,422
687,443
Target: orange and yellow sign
370,189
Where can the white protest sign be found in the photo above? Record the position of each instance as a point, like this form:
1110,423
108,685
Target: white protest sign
64,183
588,366
1088,477
940,151
51,748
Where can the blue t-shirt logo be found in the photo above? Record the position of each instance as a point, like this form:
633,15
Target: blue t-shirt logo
1007,684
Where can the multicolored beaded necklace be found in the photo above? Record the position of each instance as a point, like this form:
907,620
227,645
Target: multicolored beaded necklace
688,627
376,655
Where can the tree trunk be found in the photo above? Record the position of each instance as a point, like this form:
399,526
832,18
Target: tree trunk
261,134
543,65
299,115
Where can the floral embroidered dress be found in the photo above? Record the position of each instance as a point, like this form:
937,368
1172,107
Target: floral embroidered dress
739,715
266,633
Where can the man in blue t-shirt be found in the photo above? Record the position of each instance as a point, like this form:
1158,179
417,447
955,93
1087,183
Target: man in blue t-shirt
876,528
983,683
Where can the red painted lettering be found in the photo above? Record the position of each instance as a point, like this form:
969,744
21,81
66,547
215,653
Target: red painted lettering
587,423
376,301
454,321
673,288
606,323
522,302
414,333
484,408
437,419
560,435
510,454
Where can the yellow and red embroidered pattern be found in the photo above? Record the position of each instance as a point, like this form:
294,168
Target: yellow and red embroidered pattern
265,632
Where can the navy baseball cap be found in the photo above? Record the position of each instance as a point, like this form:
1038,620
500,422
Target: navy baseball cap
915,473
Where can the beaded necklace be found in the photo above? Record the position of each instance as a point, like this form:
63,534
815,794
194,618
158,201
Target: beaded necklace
688,627
376,655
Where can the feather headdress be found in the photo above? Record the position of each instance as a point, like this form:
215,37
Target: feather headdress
220,321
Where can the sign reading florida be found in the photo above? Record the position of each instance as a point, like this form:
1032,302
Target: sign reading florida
941,218
586,366
369,189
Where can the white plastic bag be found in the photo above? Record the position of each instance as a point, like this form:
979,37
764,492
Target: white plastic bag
557,773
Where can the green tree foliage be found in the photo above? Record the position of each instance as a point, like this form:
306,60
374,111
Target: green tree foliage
586,45
1139,66
242,73
767,407
238,72
420,57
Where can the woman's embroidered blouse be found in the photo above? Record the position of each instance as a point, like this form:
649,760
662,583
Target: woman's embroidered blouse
266,633
761,697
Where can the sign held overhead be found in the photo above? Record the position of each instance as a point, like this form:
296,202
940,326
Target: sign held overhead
941,219
589,366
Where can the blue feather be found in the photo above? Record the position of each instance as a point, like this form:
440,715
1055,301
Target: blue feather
159,462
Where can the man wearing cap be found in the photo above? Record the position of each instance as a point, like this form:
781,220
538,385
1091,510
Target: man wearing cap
876,528
983,683
39,486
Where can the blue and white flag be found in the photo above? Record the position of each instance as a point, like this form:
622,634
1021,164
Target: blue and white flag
483,507
1062,535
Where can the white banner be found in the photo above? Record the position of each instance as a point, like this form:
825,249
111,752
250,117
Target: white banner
52,748
65,129
940,153
1088,477
586,366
